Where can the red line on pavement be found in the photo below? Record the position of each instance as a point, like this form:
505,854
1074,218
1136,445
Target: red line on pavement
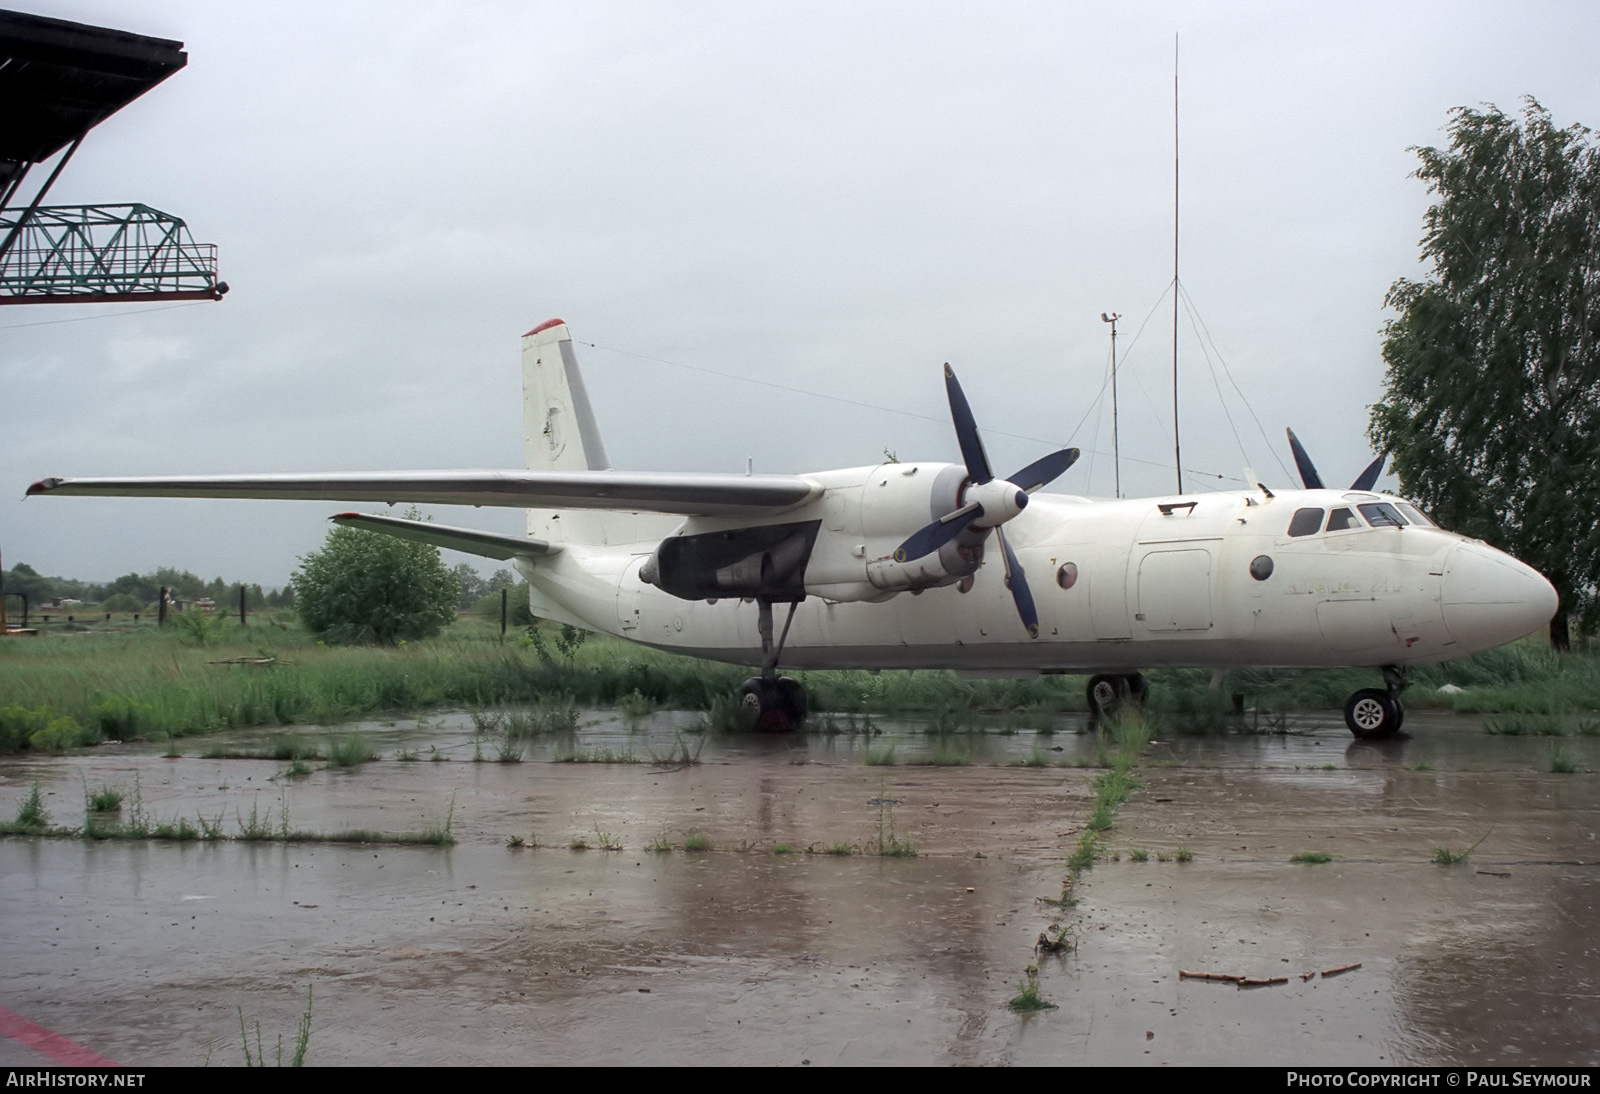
53,1045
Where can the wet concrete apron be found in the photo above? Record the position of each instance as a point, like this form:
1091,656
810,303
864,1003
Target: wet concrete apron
483,952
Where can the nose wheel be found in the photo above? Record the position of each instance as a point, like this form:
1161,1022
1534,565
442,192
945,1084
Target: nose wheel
1375,713
1110,695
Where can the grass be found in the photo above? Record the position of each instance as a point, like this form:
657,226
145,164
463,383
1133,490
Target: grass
697,841
1027,999
121,682
1562,761
350,750
1445,856
661,845
840,849
302,1040
1139,854
1311,857
104,800
1183,854
782,849
32,816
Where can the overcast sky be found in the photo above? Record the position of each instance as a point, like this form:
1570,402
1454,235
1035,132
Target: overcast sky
832,198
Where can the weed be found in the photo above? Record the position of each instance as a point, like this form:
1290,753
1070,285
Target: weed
32,816
680,755
890,845
578,843
1311,857
302,1040
1562,762
509,750
1183,854
606,841
1083,855
697,841
662,844
406,756
1027,1000
1100,818
1139,854
782,849
1445,856
349,750
841,849
104,800
1420,766
635,705
882,756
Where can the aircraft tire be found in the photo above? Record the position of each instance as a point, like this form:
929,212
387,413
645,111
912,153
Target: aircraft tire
792,699
1107,694
1372,713
766,705
1138,688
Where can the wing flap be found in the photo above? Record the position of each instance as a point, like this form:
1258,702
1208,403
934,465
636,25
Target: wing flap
469,540
686,493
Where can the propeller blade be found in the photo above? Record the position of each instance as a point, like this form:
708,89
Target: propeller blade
966,430
1044,471
1369,477
930,538
1017,582
1308,470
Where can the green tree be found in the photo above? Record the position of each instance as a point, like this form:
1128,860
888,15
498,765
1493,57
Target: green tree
368,587
1491,410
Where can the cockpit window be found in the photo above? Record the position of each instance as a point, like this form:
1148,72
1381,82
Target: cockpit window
1382,515
1340,519
1417,515
1305,522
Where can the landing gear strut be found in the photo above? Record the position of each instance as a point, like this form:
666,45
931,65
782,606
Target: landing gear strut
1109,694
1374,713
770,700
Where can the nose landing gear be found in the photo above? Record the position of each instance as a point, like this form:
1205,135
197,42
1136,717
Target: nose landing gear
1112,694
1375,713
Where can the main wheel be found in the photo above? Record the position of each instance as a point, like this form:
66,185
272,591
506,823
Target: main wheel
1371,713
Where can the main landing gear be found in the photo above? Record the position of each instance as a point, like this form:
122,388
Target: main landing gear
1373,713
769,700
1110,695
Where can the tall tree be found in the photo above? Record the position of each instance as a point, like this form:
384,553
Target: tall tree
1493,387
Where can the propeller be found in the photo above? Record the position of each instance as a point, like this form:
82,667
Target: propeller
1313,481
990,501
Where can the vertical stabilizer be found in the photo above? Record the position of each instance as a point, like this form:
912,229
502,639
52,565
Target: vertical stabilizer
560,434
559,430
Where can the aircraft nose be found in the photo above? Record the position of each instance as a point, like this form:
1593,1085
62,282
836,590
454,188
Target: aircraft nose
1489,598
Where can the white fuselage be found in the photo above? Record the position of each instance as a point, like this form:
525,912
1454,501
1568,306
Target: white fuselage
1119,586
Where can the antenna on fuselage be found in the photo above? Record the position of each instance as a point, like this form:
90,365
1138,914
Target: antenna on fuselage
1116,449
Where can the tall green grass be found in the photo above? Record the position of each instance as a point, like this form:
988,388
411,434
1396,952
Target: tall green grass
60,691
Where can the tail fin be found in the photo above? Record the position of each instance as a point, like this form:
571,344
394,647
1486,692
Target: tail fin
559,429
560,434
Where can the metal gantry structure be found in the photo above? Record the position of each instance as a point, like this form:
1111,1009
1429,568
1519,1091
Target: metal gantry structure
98,253
58,80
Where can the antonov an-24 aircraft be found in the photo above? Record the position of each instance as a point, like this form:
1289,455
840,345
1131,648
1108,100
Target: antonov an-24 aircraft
939,565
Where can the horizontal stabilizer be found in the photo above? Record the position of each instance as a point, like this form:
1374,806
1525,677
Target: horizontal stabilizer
487,544
686,493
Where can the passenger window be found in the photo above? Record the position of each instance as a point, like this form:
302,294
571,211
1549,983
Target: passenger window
1305,522
1382,515
1342,519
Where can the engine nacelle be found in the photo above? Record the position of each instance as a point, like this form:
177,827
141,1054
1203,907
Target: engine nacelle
840,546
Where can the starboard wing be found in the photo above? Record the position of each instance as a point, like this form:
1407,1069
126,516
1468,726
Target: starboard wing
686,493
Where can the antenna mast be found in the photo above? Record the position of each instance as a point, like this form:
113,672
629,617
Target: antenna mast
1116,448
1177,450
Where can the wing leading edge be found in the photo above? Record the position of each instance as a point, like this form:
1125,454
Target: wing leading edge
685,493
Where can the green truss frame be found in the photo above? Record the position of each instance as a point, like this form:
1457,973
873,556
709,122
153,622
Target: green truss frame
66,254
